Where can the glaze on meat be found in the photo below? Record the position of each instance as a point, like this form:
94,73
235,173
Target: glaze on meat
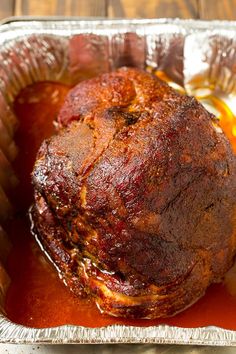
135,196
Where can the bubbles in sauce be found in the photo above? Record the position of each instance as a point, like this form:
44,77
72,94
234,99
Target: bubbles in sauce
36,296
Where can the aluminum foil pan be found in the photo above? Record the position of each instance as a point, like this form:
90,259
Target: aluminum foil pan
195,55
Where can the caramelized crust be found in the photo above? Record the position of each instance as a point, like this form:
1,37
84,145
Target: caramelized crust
135,196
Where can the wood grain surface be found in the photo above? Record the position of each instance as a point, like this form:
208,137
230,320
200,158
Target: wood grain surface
59,7
217,9
198,9
153,9
6,8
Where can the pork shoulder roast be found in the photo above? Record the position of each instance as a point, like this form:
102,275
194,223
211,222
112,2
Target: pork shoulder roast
135,196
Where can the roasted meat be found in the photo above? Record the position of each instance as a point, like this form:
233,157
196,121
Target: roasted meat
135,196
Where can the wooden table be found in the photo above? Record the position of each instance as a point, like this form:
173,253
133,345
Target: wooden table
198,9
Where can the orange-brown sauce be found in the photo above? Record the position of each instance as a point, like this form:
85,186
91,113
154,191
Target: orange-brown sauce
36,296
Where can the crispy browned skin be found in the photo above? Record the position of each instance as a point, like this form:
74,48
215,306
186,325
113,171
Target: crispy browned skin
135,195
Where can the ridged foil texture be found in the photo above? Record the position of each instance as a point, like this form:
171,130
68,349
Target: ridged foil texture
199,56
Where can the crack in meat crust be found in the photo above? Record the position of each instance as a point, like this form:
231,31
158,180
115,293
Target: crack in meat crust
135,196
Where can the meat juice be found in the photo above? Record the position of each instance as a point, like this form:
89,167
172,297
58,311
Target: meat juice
36,296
